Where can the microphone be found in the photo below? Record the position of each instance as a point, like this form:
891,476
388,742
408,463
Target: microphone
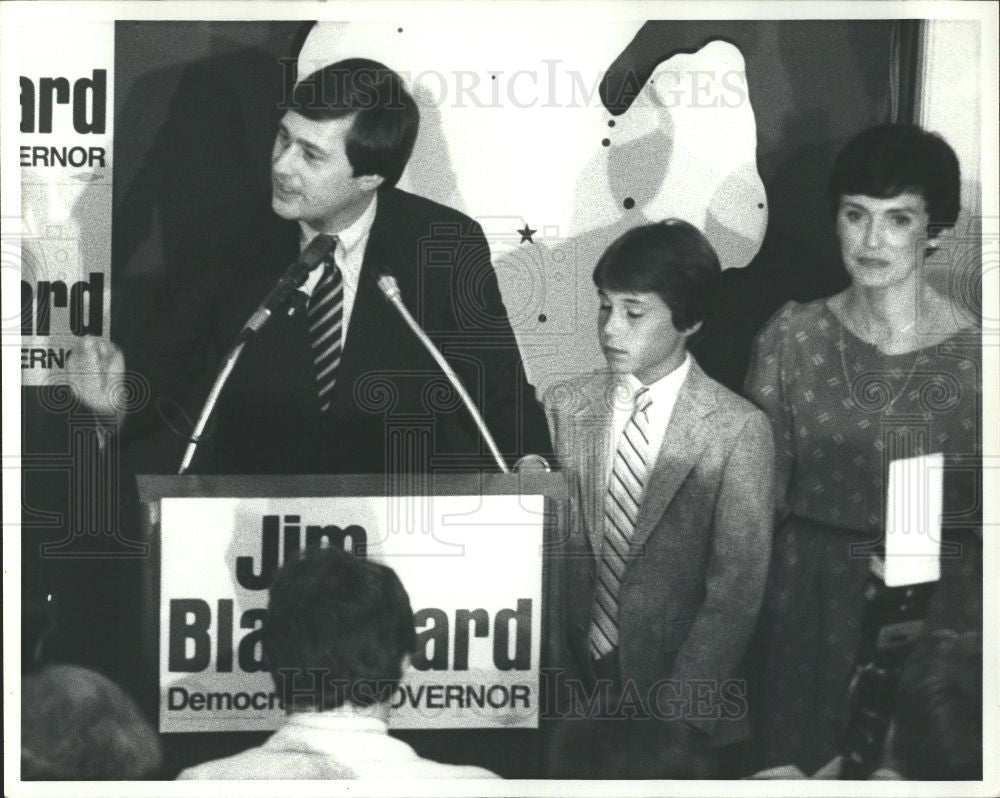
387,285
318,251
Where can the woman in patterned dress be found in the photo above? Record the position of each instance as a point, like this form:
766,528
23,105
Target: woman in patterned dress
888,368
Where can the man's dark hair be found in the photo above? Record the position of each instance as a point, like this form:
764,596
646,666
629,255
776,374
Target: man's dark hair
386,117
938,719
671,258
886,160
337,630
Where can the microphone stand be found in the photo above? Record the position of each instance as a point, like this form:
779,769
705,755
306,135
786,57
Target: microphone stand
213,396
388,285
295,275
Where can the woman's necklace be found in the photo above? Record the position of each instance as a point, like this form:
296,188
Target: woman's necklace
849,383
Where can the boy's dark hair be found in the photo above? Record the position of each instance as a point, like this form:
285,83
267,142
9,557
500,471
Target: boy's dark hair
337,630
386,118
671,258
887,160
938,719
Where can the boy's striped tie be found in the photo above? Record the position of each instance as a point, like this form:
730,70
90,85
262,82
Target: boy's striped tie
621,510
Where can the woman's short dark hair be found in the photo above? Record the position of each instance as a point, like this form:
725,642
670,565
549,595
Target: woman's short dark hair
670,258
887,160
386,117
337,630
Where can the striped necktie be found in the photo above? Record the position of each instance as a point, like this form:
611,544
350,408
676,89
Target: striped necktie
326,317
621,510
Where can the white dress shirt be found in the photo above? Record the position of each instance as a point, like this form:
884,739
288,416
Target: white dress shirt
663,394
343,743
350,254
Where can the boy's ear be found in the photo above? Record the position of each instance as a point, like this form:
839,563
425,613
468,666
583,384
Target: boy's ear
692,329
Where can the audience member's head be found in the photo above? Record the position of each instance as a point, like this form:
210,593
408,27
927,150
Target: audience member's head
624,749
937,726
338,630
79,725
888,160
386,117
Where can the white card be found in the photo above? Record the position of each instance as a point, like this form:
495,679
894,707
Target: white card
913,520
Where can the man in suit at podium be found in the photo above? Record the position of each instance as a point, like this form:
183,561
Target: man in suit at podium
336,382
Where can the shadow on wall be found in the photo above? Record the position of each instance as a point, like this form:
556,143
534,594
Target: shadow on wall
430,165
212,148
192,136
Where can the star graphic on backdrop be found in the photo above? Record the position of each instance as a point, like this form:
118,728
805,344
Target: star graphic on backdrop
526,234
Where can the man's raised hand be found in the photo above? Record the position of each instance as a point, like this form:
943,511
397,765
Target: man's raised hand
96,374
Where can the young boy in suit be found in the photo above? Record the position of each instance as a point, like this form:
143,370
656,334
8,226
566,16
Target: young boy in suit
670,526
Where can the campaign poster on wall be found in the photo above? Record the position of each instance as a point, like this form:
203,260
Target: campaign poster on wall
65,160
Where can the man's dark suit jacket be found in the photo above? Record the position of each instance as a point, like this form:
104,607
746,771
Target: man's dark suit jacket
393,411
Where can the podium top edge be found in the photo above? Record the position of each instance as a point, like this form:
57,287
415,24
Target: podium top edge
153,487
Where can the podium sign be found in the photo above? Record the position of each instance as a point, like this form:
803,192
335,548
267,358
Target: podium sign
472,565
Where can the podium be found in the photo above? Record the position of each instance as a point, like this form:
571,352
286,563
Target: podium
478,553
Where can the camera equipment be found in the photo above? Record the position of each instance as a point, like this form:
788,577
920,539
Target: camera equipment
893,620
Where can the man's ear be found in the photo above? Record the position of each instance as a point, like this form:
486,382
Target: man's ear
370,182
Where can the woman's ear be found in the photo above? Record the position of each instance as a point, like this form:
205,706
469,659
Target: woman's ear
935,234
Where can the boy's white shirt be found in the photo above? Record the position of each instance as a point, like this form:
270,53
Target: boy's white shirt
663,393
